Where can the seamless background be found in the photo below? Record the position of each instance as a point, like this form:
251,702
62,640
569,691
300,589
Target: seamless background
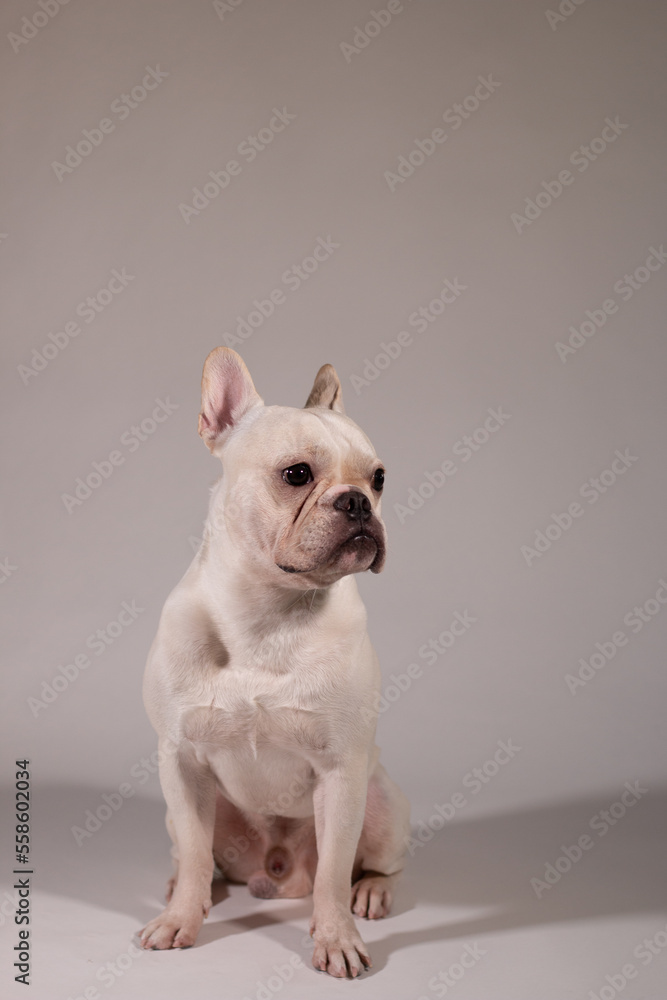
125,262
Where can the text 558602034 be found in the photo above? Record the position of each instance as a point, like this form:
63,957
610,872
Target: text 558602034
22,885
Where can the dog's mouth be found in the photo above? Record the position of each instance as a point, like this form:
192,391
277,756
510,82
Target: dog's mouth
362,546
363,549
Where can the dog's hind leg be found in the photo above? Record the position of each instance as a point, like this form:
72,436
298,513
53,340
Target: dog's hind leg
380,854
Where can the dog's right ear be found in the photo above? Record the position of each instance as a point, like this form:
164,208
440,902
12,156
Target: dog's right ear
227,393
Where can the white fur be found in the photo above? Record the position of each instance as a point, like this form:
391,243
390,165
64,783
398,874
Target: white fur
261,684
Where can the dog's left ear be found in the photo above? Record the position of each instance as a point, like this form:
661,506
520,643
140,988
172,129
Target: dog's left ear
227,393
326,390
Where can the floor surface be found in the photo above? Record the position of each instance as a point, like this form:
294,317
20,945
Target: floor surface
467,922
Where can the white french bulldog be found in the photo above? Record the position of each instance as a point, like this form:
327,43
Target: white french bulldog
262,683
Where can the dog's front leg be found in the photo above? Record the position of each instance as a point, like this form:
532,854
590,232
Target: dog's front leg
189,789
340,801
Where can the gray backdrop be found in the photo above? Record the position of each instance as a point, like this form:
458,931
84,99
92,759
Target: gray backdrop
461,205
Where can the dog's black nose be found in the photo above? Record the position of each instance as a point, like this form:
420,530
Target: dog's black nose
355,504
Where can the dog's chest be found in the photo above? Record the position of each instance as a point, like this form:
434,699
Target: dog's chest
253,712
263,741
285,696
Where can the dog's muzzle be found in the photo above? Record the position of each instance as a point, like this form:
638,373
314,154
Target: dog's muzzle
364,532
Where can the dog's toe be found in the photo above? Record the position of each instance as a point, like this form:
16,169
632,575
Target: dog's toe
171,930
343,957
372,897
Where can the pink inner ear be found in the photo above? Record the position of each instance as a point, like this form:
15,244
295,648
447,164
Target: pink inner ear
228,392
223,393
205,422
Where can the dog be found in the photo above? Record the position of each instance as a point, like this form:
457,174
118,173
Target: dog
262,683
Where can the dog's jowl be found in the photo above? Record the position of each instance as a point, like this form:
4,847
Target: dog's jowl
262,683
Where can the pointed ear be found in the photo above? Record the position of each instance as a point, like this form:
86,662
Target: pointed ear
326,390
227,393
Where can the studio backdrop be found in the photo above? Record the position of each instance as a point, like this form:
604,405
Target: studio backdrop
461,206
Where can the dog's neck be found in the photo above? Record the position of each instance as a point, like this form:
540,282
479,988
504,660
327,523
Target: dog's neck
275,627
246,586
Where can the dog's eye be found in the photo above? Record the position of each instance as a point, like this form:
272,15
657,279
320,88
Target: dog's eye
378,480
298,475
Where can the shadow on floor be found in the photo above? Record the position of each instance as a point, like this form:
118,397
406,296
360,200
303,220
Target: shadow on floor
484,863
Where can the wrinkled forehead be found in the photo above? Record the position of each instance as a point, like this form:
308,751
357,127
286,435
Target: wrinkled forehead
277,436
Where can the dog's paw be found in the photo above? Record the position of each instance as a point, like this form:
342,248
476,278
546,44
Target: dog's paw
372,896
340,951
172,929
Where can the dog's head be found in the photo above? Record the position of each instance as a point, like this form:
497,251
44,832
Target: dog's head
301,487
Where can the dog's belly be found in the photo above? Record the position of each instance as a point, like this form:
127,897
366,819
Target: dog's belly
261,759
269,783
